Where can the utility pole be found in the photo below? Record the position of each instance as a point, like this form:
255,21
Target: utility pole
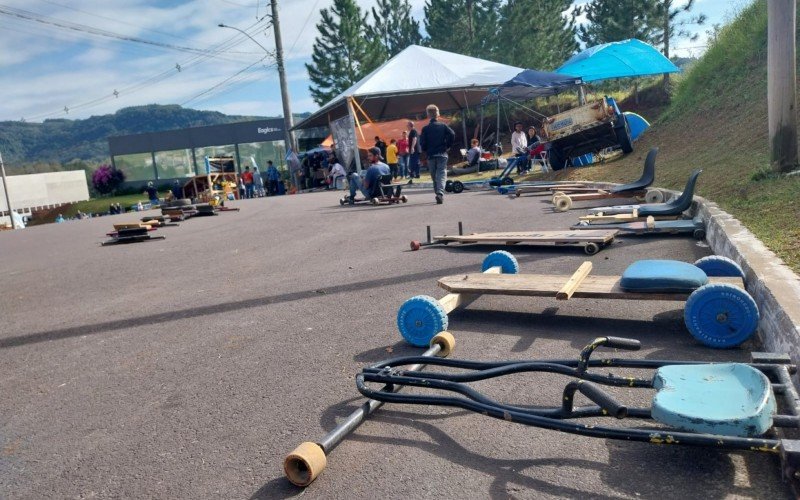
288,121
5,188
781,84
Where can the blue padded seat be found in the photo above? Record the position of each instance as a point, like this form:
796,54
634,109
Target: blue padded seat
662,276
731,399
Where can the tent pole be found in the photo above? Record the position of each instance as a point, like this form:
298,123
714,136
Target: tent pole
464,127
497,132
353,125
480,128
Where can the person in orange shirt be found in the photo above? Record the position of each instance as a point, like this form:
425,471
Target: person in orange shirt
247,179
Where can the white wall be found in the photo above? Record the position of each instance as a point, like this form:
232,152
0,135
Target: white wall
36,190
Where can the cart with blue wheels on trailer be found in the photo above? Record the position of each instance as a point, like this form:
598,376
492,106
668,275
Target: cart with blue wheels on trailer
718,311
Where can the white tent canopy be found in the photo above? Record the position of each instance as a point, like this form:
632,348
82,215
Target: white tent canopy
405,84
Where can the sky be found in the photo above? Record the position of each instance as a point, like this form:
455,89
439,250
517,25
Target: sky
77,58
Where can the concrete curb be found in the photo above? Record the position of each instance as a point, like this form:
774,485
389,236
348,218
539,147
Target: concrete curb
774,286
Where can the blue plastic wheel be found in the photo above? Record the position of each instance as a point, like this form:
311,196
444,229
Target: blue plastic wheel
503,259
721,315
717,265
503,190
420,318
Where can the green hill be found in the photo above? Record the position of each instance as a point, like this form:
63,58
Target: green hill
62,141
717,121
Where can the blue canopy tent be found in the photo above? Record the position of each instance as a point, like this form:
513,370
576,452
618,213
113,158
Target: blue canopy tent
528,84
628,58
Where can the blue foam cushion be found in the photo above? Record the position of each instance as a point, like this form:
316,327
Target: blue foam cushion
732,399
662,276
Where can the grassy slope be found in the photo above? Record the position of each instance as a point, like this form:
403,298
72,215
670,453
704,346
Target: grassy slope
718,122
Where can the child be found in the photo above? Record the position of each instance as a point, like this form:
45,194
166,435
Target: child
391,157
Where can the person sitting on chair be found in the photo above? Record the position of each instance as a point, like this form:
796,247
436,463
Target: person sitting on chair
474,154
536,146
369,185
519,145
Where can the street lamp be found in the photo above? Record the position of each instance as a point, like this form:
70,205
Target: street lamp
288,123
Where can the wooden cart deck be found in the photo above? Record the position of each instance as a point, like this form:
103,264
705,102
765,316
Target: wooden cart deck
548,285
599,236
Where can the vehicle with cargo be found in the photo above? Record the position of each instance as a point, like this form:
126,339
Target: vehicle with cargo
586,129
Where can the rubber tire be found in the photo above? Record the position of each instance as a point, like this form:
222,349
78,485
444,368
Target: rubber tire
415,245
654,196
562,203
420,318
181,202
342,201
721,315
591,248
404,198
304,464
446,342
623,134
699,234
503,190
503,259
584,223
374,201
458,187
448,186
557,194
717,265
508,181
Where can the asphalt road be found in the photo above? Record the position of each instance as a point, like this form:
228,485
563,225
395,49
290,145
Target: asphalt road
189,367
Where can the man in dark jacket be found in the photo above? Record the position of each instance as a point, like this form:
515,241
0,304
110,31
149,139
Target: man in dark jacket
435,139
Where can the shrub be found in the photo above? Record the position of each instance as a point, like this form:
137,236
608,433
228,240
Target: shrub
106,179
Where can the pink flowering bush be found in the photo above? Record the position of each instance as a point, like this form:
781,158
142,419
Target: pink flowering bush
106,179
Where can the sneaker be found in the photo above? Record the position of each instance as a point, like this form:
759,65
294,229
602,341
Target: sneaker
439,199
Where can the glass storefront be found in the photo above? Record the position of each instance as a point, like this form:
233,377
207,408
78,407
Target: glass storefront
136,167
174,164
263,152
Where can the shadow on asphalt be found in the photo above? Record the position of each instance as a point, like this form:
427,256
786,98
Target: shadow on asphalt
508,475
214,309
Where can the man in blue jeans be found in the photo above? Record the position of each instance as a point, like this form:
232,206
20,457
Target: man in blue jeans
371,178
435,139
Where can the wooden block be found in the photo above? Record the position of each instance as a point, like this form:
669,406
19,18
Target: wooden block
574,281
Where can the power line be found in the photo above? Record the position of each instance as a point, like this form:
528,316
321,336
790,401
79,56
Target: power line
34,17
158,78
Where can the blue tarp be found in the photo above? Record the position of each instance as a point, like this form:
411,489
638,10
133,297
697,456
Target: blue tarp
531,83
628,58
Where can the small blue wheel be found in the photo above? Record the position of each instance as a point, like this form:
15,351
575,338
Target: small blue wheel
717,265
503,259
721,315
503,190
420,318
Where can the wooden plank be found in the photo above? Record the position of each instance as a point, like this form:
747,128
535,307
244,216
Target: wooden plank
549,187
131,225
601,195
547,285
574,281
586,236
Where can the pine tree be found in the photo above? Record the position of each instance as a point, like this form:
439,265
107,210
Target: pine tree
537,33
615,20
466,27
668,25
393,25
342,54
